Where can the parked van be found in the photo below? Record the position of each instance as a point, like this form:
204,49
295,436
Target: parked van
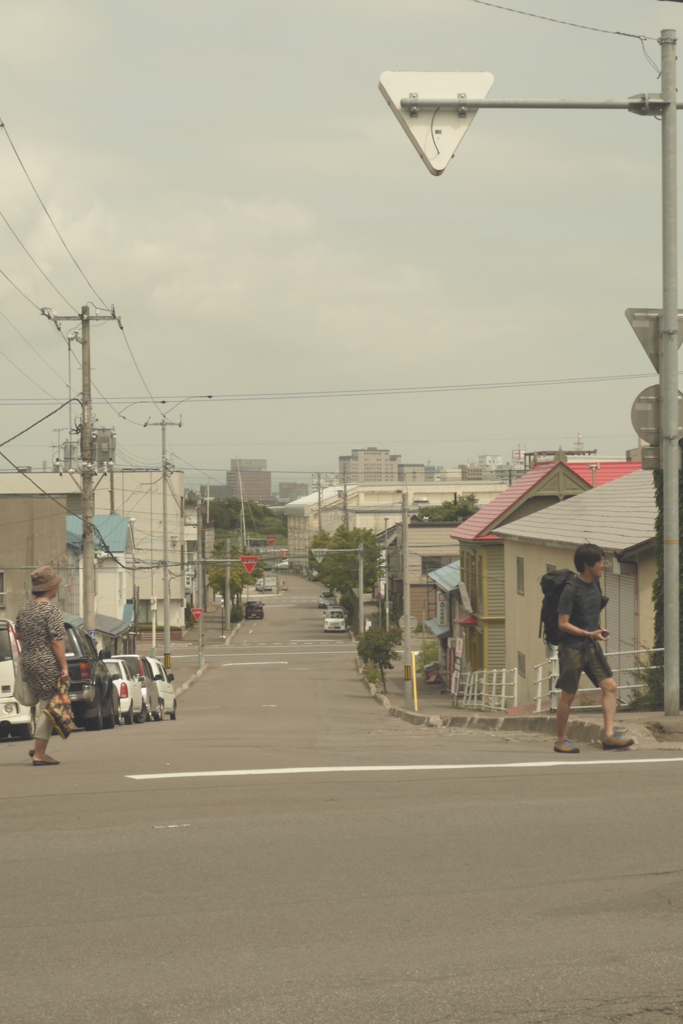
15,719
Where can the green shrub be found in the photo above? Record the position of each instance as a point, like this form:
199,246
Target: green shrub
429,652
236,613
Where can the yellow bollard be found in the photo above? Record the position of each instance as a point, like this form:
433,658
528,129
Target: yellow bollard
414,682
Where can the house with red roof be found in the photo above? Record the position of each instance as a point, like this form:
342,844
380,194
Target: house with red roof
482,562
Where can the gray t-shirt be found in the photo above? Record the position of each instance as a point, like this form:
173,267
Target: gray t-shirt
583,609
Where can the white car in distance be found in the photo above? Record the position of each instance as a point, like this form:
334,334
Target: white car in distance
164,680
129,687
335,621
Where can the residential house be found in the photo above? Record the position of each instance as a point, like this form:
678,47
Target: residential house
481,551
430,546
620,518
32,533
113,562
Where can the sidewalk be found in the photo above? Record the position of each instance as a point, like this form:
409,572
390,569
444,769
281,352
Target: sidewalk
650,729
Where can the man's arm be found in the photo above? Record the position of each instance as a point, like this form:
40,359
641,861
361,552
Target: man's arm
567,627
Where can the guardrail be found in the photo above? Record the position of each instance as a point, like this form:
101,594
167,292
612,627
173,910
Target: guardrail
487,689
552,668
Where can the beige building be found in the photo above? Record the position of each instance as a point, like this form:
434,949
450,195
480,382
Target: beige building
620,518
32,533
369,465
430,547
250,479
367,506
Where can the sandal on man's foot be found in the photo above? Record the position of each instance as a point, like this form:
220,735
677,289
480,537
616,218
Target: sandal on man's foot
565,747
616,743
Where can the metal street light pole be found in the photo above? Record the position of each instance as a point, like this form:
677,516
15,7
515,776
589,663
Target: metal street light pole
669,377
408,105
135,593
361,588
386,571
407,661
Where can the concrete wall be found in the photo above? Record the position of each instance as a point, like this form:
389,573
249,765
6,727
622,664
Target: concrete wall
32,533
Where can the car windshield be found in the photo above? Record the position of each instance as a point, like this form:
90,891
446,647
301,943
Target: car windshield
336,615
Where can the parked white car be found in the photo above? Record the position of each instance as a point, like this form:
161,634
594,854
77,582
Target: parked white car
129,687
15,719
164,680
335,621
136,665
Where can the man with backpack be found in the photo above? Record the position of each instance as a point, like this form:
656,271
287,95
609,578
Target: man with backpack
578,601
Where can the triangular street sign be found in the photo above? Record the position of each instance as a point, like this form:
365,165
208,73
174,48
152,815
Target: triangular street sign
271,541
318,553
197,612
249,562
647,325
436,132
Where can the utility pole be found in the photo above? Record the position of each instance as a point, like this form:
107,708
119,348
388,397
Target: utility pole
386,570
135,593
346,504
407,662
200,583
669,377
86,479
361,587
320,507
165,422
87,469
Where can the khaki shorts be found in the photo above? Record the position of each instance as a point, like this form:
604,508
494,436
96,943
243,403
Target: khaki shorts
575,660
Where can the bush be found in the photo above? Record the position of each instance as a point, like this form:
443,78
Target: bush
371,673
378,647
236,613
430,652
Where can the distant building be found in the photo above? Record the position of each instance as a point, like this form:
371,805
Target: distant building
289,491
369,466
250,479
412,472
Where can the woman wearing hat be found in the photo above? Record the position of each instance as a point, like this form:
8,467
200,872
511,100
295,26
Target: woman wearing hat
40,627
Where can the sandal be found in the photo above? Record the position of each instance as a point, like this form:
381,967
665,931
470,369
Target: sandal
40,764
565,747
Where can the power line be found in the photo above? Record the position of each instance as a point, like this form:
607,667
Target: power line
35,350
570,24
24,374
137,367
47,214
23,294
37,422
35,263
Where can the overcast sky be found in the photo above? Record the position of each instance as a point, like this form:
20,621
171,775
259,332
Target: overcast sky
228,174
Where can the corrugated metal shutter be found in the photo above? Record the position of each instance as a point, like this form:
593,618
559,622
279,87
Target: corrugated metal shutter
620,620
496,645
495,581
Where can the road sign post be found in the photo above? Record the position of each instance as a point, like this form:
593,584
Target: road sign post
415,104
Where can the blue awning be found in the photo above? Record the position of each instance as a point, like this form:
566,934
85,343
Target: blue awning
439,631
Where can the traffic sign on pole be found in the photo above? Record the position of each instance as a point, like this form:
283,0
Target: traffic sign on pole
436,133
271,541
249,562
197,612
647,324
318,553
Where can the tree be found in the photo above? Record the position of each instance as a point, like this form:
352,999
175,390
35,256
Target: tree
378,646
340,571
451,511
239,577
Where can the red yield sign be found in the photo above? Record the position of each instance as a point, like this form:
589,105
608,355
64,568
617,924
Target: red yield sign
271,540
249,562
197,612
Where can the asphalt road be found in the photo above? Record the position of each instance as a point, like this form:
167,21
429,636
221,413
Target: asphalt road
507,887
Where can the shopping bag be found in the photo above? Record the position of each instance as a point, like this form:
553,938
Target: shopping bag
59,711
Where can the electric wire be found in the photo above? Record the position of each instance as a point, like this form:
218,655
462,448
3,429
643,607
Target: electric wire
37,422
559,21
24,374
34,350
3,126
23,294
36,264
144,382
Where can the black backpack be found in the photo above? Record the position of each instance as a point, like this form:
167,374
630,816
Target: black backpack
552,585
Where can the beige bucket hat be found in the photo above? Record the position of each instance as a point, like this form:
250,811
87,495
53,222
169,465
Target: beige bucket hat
44,579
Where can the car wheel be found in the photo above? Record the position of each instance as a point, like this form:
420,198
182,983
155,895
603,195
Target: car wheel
95,724
109,721
159,713
129,717
173,713
143,714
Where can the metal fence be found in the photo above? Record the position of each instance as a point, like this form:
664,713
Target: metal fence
492,689
629,669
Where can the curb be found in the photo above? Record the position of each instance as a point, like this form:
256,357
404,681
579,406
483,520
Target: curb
192,680
233,631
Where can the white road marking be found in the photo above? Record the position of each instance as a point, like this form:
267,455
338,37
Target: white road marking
607,762
269,705
241,664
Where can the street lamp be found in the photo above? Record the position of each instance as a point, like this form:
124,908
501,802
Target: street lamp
435,109
135,594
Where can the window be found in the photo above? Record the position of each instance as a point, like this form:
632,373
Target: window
2,590
520,576
430,563
521,664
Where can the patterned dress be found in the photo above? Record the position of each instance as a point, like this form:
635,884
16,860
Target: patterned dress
38,624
